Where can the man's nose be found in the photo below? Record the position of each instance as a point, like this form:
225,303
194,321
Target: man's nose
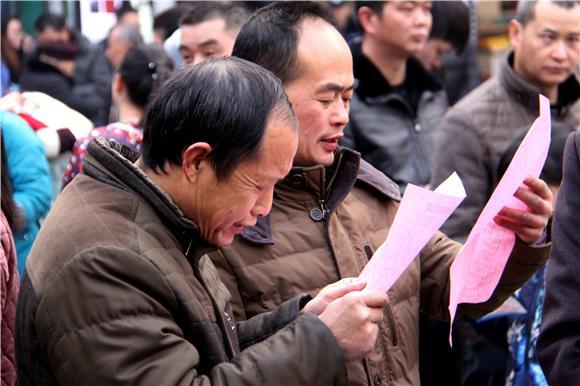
264,204
559,50
340,116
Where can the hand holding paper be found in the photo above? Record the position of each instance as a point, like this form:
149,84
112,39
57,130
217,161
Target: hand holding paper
477,268
420,215
529,225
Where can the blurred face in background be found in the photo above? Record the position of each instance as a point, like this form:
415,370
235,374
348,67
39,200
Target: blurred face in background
116,48
547,48
130,19
431,56
402,26
14,33
51,35
208,39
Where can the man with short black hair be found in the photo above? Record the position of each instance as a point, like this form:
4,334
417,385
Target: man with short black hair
398,104
333,210
545,38
209,29
117,290
50,28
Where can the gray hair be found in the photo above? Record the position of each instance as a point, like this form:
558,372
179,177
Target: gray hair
130,35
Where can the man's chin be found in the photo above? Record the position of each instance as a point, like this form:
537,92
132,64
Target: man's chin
327,160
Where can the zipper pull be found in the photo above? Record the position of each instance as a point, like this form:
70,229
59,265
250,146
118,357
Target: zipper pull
324,209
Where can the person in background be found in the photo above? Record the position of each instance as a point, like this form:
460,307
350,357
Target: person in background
343,16
67,68
13,46
545,38
398,104
127,15
141,72
209,29
121,39
9,223
449,33
118,290
167,22
559,339
30,179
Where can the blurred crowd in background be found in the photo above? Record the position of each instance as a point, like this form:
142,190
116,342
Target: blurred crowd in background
74,71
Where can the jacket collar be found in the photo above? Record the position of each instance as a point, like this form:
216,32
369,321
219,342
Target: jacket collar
331,184
373,84
526,93
113,164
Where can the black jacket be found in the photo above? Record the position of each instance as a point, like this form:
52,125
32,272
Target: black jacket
559,341
394,127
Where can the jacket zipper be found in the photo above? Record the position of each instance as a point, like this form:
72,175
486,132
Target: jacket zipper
327,189
218,313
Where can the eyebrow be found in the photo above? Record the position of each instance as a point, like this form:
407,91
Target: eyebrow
335,87
207,43
550,31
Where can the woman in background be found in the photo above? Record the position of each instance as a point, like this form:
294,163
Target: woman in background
142,70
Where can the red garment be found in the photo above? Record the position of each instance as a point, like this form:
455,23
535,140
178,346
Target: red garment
9,295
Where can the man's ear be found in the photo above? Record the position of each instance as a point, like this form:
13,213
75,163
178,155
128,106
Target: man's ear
193,159
368,20
515,30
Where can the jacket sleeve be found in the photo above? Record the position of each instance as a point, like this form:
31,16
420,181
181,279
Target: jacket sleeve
118,328
559,341
458,148
436,259
28,168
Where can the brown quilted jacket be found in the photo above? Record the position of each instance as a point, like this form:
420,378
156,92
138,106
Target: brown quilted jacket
117,292
296,249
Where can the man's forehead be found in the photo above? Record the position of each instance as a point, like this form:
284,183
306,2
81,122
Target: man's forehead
555,17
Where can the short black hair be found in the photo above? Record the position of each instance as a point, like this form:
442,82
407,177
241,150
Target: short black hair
124,9
48,19
526,10
450,23
234,14
225,102
552,170
270,37
142,71
167,21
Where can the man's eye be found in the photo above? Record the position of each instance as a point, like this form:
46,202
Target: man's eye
210,54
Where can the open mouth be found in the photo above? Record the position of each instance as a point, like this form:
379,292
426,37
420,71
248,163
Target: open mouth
331,143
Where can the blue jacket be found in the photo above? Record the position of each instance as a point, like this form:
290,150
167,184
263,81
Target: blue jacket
30,178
